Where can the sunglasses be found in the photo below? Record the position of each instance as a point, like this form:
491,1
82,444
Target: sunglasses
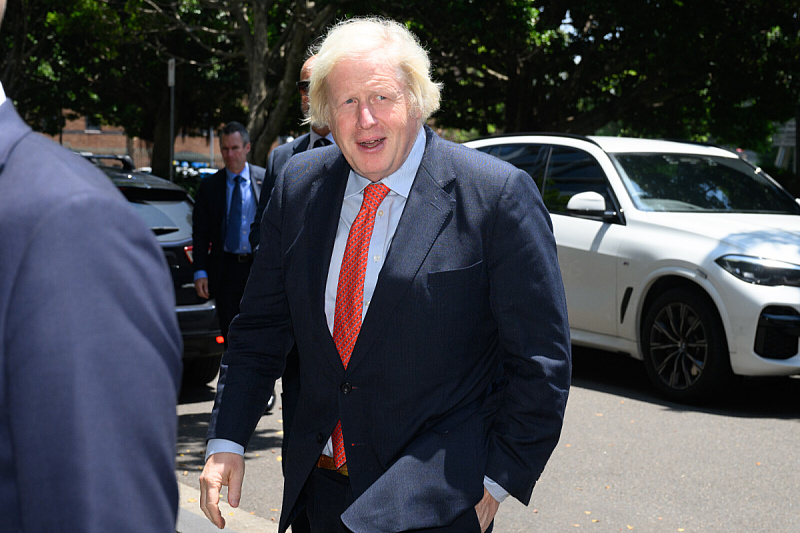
302,85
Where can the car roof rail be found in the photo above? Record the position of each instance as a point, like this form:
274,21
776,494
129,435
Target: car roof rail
538,133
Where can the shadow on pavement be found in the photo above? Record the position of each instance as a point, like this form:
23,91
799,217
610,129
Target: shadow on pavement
202,394
624,376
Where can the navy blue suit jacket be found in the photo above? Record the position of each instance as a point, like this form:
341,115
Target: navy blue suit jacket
90,351
462,365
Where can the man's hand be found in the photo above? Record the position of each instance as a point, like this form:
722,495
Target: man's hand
201,286
486,510
221,469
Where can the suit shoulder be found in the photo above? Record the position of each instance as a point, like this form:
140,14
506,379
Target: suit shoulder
57,173
283,151
313,161
468,167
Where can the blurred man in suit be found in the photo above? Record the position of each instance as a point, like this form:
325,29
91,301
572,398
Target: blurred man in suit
90,356
420,281
317,137
224,210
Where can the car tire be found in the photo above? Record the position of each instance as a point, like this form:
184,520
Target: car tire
198,372
684,347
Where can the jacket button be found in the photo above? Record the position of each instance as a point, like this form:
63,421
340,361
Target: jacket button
346,388
320,438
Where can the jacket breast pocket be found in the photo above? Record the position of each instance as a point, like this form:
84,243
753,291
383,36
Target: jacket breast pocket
458,297
457,277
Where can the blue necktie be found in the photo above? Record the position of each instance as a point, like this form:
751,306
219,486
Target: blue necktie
233,234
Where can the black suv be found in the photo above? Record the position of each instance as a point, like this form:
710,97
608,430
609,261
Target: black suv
167,209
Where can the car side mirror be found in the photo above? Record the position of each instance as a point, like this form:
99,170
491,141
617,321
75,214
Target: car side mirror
589,204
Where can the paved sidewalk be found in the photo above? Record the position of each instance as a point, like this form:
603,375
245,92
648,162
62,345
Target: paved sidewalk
192,520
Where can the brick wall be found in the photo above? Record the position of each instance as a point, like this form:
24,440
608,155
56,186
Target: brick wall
79,136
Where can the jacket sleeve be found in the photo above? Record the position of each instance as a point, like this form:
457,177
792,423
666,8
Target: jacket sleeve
528,302
259,339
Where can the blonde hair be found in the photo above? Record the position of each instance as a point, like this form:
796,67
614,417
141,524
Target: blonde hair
356,37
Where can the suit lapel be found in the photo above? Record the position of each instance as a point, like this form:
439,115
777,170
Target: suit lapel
256,181
427,208
321,222
302,144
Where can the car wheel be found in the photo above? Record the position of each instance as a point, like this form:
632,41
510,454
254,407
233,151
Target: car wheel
198,372
270,403
684,347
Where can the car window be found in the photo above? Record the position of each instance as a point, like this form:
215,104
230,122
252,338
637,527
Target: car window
168,212
169,220
571,171
531,158
680,182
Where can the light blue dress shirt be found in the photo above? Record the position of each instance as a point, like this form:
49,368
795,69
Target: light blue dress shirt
249,205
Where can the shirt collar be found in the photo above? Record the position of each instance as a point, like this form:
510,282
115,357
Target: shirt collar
2,95
401,180
245,173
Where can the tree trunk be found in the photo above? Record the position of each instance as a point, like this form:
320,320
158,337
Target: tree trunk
269,102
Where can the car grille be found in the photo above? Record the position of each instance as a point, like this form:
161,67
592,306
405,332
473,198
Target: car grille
778,333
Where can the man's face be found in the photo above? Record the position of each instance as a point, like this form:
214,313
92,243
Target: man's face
234,152
370,115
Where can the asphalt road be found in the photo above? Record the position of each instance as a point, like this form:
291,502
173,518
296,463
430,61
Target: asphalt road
627,461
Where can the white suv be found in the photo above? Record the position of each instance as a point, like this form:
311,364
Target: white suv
682,255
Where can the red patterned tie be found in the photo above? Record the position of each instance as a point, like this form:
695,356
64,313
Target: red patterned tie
350,290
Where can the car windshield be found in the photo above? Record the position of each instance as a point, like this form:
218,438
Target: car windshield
688,182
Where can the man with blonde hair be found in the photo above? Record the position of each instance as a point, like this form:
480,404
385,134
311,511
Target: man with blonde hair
420,282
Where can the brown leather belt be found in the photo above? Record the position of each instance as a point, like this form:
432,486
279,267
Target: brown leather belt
327,463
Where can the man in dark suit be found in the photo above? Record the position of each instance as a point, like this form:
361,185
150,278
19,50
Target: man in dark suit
224,210
90,350
450,394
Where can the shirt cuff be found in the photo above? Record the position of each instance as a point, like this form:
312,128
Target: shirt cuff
200,274
223,446
497,492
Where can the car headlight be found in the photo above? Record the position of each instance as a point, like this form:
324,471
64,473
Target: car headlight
761,271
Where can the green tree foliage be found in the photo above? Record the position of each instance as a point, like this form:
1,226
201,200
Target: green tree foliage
700,69
671,68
